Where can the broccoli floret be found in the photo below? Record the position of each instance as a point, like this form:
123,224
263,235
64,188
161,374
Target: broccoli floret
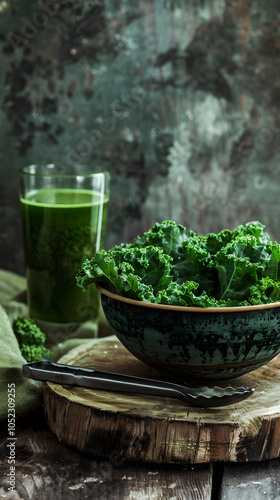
31,340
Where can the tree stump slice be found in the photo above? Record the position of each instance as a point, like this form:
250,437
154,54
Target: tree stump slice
141,428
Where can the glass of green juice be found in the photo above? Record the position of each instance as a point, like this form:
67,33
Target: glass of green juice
64,212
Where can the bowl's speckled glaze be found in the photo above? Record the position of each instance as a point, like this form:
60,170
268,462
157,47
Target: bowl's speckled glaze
194,344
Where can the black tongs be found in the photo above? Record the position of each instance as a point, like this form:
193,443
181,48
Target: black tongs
73,375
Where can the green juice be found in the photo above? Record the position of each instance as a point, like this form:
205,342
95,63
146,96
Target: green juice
62,227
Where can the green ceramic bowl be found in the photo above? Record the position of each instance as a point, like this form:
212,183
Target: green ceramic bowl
195,344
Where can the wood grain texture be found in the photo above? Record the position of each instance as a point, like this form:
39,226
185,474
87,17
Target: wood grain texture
254,481
47,470
162,430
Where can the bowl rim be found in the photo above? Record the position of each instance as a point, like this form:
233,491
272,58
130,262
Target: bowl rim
140,303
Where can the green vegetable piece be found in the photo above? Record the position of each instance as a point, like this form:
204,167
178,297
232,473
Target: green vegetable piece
170,265
239,265
272,269
184,295
193,264
265,292
151,266
168,236
31,340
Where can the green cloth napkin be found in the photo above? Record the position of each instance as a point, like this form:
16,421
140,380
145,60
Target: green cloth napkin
28,393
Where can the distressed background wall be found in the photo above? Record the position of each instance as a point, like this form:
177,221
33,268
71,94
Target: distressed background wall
178,99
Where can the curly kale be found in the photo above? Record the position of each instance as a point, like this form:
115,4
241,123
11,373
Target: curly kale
31,340
170,265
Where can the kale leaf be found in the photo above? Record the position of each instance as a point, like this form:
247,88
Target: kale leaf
31,340
170,265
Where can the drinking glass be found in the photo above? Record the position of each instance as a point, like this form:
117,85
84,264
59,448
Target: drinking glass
64,214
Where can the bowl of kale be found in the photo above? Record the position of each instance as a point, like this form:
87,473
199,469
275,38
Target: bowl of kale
196,307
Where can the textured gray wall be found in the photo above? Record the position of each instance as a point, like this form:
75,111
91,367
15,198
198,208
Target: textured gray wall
178,99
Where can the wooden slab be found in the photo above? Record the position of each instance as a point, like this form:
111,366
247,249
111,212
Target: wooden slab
47,470
251,481
162,430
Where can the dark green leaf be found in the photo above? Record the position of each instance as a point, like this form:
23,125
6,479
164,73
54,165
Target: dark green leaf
172,266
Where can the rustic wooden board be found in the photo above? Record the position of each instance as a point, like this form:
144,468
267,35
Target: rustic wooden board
162,430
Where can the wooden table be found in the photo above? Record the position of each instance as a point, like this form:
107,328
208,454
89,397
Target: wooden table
48,470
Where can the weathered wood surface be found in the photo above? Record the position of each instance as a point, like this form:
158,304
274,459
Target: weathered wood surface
253,482
47,470
162,430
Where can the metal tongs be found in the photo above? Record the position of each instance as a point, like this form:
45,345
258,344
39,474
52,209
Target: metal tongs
202,397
